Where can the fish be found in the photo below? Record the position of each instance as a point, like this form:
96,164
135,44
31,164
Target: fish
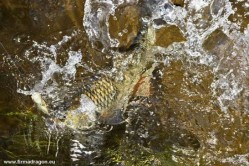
97,100
102,99
102,92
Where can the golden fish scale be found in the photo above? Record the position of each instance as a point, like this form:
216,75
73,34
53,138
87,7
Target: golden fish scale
102,92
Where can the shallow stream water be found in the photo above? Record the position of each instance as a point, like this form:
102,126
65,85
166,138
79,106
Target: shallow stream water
169,80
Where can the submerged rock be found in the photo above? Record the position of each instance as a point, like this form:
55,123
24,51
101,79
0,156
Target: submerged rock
178,2
218,43
165,36
240,15
125,25
216,6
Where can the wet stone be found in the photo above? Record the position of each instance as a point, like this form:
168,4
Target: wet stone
217,43
178,2
125,25
168,35
203,21
29,17
178,81
240,16
216,6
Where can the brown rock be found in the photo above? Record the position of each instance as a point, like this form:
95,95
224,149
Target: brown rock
240,15
168,35
125,25
178,2
217,43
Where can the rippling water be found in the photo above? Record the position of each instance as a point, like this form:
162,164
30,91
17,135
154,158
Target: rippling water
178,73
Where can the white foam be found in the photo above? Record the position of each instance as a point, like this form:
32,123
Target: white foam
87,106
69,70
199,4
